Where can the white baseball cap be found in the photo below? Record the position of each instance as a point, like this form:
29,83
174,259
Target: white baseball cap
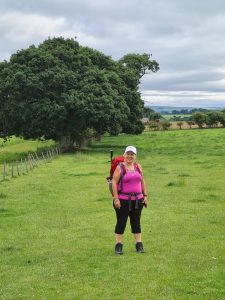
132,149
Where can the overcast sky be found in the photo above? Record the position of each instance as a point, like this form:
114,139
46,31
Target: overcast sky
186,37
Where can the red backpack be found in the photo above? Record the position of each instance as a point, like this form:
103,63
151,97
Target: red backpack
114,163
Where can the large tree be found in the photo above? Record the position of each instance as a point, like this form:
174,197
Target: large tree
60,90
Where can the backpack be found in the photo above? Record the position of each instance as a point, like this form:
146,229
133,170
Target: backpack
114,163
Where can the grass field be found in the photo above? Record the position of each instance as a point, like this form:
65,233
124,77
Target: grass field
57,224
16,148
168,117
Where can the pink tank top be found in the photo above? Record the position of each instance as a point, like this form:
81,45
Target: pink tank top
131,184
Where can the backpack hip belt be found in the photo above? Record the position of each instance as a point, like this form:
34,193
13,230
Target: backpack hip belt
129,199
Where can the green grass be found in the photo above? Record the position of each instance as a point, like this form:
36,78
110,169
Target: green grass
168,117
57,224
17,148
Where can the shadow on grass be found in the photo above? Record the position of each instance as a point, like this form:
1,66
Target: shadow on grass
179,183
208,198
9,248
2,195
213,197
101,199
198,200
207,188
5,212
184,175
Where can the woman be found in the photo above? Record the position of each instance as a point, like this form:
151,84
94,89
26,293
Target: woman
129,197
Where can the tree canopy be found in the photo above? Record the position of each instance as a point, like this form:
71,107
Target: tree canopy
61,89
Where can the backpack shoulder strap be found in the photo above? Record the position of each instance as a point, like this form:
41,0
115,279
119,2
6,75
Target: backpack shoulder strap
122,170
122,174
138,167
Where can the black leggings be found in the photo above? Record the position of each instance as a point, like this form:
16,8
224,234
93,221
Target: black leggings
123,213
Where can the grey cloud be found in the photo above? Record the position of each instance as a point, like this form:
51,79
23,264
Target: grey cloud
179,79
185,37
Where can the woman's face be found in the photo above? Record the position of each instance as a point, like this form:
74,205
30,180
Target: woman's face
129,156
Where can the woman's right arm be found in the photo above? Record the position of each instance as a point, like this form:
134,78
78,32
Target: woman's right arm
115,180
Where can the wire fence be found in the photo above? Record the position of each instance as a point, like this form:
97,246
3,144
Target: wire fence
27,164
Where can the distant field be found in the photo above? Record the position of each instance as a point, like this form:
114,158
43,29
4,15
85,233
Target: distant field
16,148
184,125
168,117
57,224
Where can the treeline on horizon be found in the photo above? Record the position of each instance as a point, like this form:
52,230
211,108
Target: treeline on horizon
186,111
202,118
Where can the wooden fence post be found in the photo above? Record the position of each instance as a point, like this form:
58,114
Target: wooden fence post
4,170
48,156
26,165
30,163
34,160
43,156
12,171
17,167
21,164
37,157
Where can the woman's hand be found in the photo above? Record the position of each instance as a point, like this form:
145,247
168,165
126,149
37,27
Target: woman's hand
117,203
145,201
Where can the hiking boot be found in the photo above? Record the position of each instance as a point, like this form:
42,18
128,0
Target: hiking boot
119,248
139,247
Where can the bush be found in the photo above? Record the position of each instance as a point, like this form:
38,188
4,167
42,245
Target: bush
165,125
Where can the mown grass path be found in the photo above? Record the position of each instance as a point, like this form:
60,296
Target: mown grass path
57,224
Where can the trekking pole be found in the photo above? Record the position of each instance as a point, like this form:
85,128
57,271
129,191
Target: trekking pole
111,155
109,178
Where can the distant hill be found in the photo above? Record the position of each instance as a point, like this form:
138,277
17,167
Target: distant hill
169,109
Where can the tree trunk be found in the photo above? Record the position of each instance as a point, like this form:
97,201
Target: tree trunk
82,143
98,137
66,144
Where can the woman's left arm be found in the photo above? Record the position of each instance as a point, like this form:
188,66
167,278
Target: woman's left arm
144,189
